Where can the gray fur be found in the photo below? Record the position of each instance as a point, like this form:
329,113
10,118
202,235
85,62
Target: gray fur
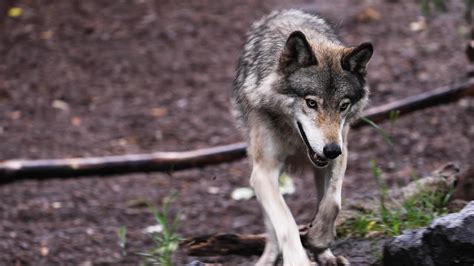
290,58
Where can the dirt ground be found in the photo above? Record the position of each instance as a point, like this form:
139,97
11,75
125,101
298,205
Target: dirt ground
83,78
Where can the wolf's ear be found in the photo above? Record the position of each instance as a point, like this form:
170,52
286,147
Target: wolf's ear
356,60
296,54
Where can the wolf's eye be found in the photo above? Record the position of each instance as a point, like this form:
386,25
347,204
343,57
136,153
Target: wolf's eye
311,103
344,106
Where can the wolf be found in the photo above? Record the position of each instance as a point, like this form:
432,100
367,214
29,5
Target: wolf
296,91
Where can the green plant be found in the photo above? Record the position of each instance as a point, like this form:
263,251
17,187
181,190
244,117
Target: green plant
414,212
360,226
167,240
122,235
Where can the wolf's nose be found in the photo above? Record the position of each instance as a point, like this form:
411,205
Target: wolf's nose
332,150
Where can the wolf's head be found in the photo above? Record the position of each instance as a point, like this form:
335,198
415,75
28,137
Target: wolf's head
326,84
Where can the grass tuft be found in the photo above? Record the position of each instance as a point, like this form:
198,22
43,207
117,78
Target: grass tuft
414,212
122,235
166,241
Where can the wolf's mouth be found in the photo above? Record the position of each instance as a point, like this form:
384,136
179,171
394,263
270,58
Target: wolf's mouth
317,159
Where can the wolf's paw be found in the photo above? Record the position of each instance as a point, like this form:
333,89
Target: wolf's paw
326,258
319,238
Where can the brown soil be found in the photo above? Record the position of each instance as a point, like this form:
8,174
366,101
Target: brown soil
82,78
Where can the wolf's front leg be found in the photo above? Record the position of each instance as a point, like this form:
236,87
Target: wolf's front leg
322,230
264,181
271,252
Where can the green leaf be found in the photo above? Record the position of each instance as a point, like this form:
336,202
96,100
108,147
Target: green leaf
15,12
122,234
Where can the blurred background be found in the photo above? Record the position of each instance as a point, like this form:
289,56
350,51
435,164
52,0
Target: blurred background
94,77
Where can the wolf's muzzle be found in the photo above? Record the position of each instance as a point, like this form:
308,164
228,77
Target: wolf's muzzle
317,160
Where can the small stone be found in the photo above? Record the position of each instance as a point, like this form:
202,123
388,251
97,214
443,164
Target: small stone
242,193
61,105
76,121
153,229
44,251
418,26
158,111
46,35
213,190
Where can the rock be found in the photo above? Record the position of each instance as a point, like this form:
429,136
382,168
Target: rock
449,240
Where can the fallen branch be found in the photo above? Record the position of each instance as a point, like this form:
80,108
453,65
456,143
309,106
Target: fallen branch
230,244
224,244
109,165
13,170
